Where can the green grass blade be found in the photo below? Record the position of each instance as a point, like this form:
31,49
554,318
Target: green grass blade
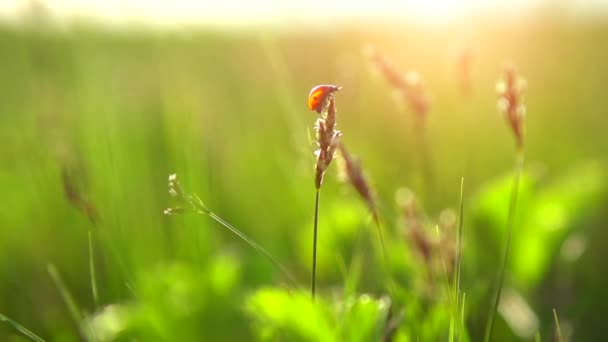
455,319
558,328
445,271
21,329
92,272
202,209
519,163
65,294
461,326
68,299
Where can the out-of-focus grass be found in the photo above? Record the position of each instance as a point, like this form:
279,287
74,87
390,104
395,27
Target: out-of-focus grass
226,111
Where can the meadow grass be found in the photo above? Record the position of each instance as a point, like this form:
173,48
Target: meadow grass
125,110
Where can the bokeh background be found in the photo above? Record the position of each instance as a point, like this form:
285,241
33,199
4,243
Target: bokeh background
99,104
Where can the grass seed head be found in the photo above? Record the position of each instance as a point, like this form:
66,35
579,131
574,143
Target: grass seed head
352,172
409,86
328,137
510,102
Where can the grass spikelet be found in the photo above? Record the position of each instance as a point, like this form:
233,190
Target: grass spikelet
351,172
75,195
409,86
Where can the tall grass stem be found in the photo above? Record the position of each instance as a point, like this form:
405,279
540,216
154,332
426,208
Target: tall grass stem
92,272
558,328
313,281
202,209
519,164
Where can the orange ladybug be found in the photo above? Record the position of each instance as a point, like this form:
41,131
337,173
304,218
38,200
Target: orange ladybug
318,95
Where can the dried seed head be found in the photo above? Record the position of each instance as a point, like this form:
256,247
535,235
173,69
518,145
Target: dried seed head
351,172
328,138
76,196
406,200
409,86
464,69
510,102
413,226
448,220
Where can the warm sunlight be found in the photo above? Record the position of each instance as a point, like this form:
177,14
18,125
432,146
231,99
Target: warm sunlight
243,12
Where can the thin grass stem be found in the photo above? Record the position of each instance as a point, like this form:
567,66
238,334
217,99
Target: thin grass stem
92,272
21,329
202,209
68,299
519,163
445,271
459,242
313,281
558,328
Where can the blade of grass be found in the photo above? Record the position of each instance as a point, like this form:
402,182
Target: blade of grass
65,294
313,280
454,319
558,328
461,326
69,301
21,329
92,272
460,239
445,271
202,209
519,163
387,264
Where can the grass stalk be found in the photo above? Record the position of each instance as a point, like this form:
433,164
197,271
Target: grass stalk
519,163
200,208
382,245
445,271
65,294
68,299
92,272
313,281
21,329
558,328
457,312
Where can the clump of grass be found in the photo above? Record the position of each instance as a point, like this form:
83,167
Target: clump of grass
510,104
322,100
196,204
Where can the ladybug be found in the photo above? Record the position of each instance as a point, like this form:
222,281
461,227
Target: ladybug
318,95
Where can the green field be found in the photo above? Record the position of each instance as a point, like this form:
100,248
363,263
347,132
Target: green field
93,122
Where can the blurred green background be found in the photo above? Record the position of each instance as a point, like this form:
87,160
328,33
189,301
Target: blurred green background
102,117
